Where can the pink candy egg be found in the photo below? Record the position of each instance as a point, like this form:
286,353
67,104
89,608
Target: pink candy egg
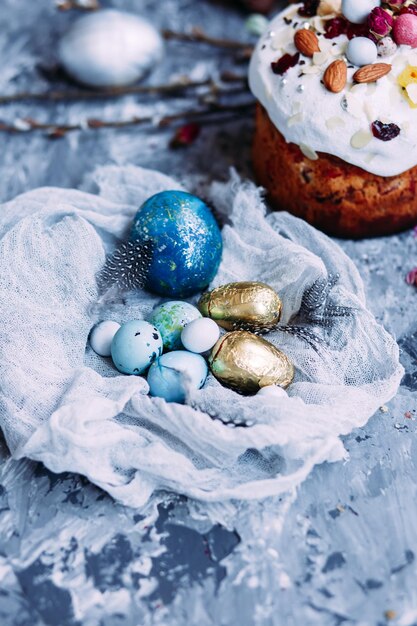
405,30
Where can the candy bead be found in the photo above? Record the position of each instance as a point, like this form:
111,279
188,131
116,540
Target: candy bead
405,30
361,51
357,11
135,346
200,335
102,335
386,47
256,24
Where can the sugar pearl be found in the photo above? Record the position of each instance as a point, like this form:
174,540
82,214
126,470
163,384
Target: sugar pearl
405,30
200,335
102,335
361,51
357,11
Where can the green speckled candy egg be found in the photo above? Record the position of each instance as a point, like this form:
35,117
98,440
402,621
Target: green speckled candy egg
187,243
170,318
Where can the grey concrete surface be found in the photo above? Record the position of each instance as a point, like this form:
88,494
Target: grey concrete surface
341,550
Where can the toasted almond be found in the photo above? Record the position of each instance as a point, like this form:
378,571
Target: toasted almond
371,73
306,42
335,76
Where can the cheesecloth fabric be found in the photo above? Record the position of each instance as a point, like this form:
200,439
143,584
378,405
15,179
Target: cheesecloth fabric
68,408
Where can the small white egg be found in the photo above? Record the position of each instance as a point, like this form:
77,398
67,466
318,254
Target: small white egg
357,11
361,51
272,391
109,48
102,335
200,335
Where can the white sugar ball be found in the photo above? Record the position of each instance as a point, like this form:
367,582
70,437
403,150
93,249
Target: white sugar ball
361,51
110,48
357,11
272,391
200,335
102,335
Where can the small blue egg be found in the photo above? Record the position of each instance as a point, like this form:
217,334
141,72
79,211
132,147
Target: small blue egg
188,243
135,346
174,373
170,318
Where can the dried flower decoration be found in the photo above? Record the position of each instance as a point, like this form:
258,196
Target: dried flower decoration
380,22
411,278
185,135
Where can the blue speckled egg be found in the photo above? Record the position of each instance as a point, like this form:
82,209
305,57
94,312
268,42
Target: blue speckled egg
188,242
174,373
170,318
135,346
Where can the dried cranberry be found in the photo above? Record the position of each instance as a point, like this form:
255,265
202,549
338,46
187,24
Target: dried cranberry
384,132
309,8
284,63
335,27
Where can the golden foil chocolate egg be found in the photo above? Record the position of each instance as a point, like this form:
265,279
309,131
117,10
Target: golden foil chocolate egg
246,363
249,305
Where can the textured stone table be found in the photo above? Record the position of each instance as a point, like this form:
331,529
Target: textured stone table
342,549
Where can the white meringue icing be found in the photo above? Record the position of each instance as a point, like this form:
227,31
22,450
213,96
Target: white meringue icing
308,115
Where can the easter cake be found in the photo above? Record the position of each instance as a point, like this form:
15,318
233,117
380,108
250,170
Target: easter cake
336,132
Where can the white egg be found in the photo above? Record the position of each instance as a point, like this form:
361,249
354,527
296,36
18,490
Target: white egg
357,11
200,335
272,391
109,48
361,51
102,335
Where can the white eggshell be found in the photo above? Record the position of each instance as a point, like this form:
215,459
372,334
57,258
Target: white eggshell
109,48
357,11
361,51
174,373
200,335
272,391
102,335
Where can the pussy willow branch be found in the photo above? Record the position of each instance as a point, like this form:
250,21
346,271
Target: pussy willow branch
102,94
197,35
217,111
178,87
68,5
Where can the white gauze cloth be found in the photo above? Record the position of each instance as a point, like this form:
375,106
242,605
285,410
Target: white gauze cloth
65,406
